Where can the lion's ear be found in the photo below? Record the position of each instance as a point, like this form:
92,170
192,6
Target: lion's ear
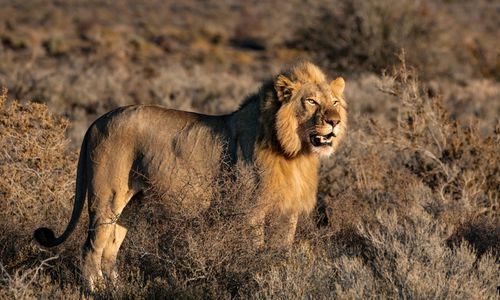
284,87
338,85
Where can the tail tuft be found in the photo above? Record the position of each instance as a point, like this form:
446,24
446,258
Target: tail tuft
45,237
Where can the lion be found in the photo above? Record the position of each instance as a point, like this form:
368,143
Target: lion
283,130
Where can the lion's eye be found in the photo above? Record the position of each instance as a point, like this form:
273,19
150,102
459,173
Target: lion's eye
311,101
335,102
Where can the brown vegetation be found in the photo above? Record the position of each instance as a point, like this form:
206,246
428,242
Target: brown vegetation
408,208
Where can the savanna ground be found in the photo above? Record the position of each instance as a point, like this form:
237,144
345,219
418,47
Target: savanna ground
408,208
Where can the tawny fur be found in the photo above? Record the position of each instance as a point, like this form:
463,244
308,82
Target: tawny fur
281,132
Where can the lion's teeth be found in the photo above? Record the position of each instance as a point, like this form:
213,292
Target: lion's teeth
320,140
324,138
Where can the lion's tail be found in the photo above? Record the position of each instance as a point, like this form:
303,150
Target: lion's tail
45,236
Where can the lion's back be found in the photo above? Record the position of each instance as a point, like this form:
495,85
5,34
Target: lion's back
169,149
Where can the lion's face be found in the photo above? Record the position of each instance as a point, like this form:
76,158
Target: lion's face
312,117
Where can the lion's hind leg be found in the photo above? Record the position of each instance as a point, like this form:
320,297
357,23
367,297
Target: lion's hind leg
110,252
104,236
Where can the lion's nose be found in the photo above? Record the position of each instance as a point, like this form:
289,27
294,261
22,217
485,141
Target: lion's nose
333,123
331,117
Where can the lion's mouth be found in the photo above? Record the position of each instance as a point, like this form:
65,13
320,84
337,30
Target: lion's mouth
318,140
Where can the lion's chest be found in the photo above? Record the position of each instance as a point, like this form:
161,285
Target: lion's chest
290,184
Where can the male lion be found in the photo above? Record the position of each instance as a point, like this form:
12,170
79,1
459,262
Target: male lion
282,131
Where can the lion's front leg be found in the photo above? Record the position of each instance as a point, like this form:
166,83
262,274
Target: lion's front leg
256,223
289,228
282,230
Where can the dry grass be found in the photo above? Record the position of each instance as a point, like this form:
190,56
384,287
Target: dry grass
408,208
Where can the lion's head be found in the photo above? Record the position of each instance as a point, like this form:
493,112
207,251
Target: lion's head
309,112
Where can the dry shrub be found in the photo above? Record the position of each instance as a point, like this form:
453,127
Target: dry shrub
473,102
363,35
36,170
403,256
32,283
36,187
412,189
410,258
197,249
458,163
406,257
